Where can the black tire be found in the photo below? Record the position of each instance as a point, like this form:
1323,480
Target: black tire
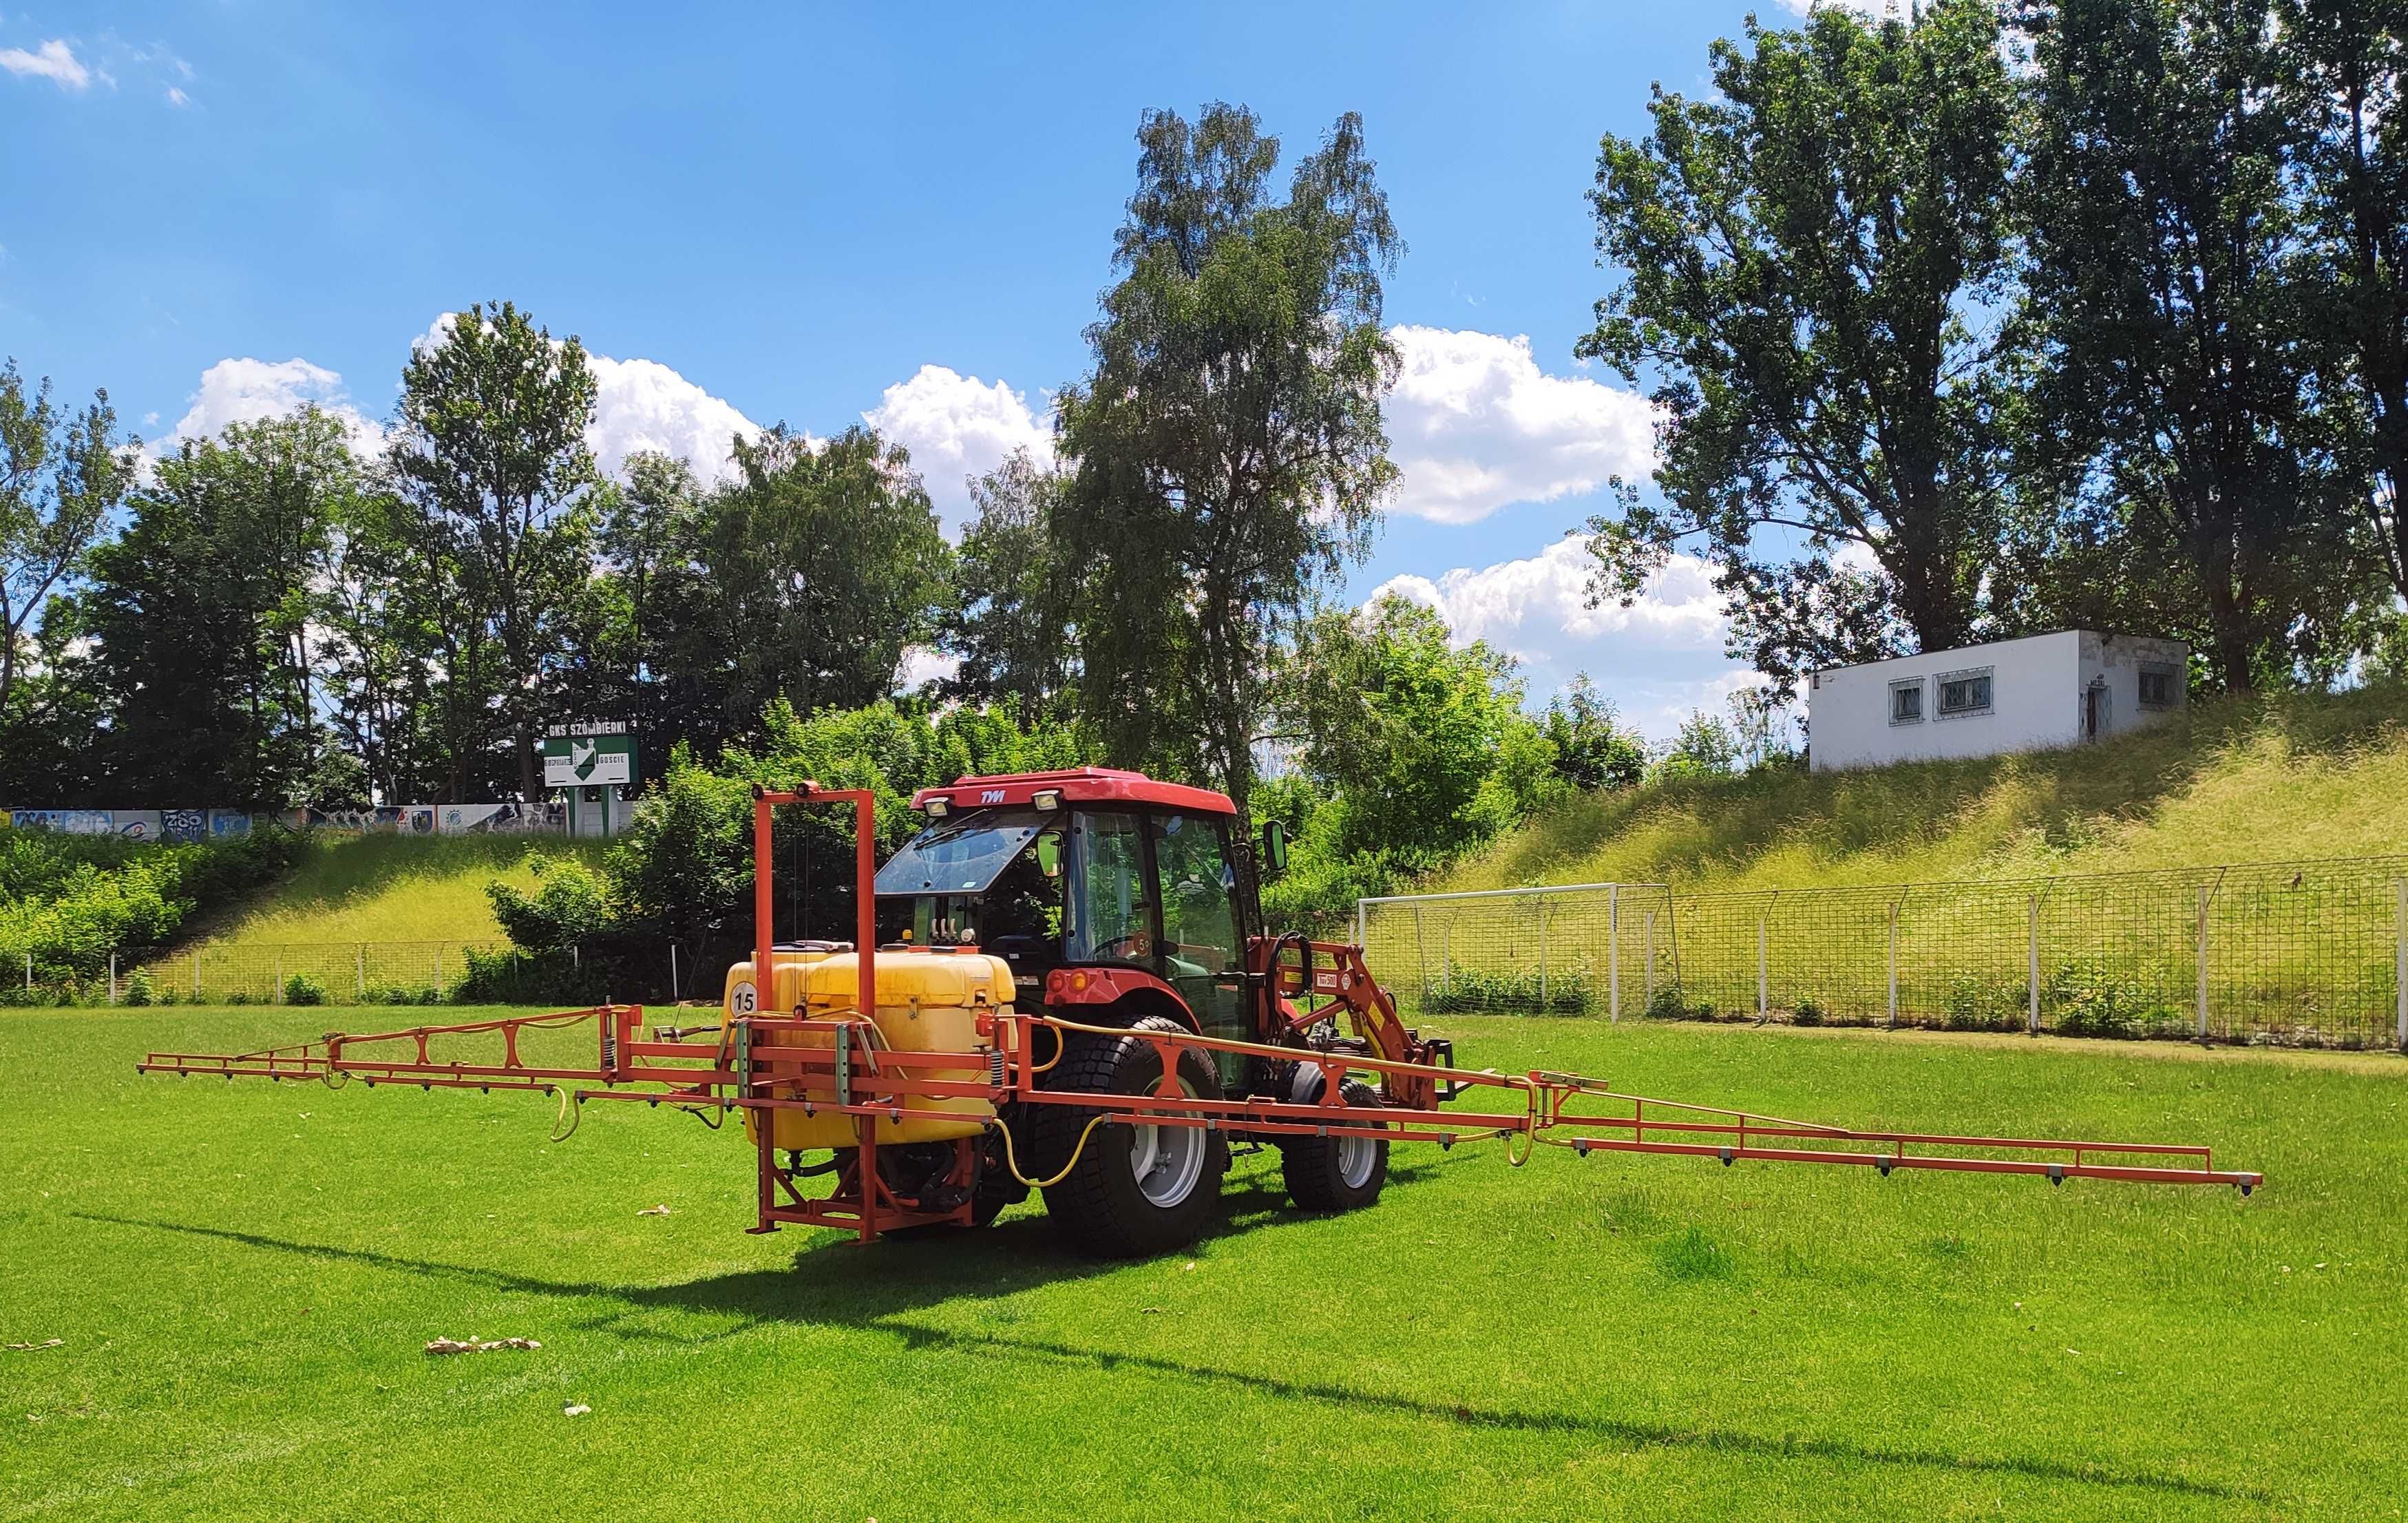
1331,1175
1104,1206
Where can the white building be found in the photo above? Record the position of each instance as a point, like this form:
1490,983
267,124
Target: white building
2059,689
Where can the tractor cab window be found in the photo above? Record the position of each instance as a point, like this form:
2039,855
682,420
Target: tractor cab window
1199,923
1110,907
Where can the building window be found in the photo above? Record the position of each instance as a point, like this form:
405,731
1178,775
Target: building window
2156,685
1963,693
1906,702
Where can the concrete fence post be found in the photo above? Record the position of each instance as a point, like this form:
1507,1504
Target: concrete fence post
360,972
276,990
112,977
29,975
196,978
2031,978
1542,956
1893,962
673,966
2203,960
2399,960
1763,983
1648,954
1613,954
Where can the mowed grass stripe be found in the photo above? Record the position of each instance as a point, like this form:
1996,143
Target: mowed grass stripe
245,1275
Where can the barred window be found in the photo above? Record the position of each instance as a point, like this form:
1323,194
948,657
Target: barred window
1906,702
2157,686
1964,692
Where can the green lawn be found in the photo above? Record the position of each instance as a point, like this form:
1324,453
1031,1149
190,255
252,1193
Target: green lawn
244,1276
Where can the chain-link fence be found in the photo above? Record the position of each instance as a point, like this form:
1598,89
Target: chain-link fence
2308,953
486,972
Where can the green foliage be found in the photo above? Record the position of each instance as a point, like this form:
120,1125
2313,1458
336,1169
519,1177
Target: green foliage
1694,1256
60,476
1813,253
1806,1012
1010,621
202,612
1464,991
568,909
1669,1003
490,458
139,990
1593,750
1244,328
1704,747
305,989
68,901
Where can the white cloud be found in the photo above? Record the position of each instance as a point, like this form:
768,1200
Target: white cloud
1475,425
1534,607
177,97
1873,9
52,59
957,426
644,404
246,391
923,666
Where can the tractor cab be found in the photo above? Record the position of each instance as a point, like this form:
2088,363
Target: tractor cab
1095,885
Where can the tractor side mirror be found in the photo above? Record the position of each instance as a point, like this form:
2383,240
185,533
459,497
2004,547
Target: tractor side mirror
1274,848
1049,854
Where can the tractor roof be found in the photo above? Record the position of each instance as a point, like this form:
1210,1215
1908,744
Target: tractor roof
1077,786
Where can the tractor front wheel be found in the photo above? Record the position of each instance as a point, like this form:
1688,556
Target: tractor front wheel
1135,1189
1337,1173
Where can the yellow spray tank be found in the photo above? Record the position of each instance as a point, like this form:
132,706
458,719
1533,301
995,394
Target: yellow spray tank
928,1000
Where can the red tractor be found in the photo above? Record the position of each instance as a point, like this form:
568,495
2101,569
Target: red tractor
1064,983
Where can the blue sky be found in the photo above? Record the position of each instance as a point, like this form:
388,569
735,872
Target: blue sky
813,215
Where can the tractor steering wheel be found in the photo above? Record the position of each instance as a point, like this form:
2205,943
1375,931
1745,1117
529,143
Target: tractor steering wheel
1140,944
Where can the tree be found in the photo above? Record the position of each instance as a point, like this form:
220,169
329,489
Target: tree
1817,264
825,562
1758,725
1227,438
1406,731
2339,65
2180,366
60,476
202,612
1703,747
1010,620
1592,747
490,454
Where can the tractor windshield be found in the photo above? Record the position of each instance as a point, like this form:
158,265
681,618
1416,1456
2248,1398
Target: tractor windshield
964,854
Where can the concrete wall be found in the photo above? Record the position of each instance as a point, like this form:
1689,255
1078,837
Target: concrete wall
2034,703
2113,664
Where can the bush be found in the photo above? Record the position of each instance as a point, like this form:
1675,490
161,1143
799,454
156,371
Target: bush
1807,1013
303,989
1667,1003
402,994
138,989
1469,991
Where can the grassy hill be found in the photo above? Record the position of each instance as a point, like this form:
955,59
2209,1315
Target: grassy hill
2268,779
387,889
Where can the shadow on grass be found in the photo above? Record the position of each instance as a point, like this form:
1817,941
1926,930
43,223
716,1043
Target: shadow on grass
874,1289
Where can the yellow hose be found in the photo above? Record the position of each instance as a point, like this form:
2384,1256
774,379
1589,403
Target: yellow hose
1011,1161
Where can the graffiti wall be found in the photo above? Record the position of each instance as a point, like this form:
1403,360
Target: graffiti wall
206,824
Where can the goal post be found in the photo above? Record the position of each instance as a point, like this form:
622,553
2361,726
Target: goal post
1569,949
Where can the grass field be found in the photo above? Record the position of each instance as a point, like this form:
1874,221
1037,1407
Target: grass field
2279,778
387,889
243,1277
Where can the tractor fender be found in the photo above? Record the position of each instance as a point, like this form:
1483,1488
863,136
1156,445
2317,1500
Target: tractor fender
1083,993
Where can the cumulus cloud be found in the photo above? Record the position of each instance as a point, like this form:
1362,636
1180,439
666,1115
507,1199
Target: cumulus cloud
1534,607
1475,425
921,666
642,404
237,391
53,60
958,426
1872,10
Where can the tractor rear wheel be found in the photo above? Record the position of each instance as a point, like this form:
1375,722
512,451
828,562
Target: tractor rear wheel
1337,1173
1134,1189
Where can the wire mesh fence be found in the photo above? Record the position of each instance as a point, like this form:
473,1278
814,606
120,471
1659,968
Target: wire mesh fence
2301,953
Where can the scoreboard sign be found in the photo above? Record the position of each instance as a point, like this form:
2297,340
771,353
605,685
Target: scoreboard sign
589,753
